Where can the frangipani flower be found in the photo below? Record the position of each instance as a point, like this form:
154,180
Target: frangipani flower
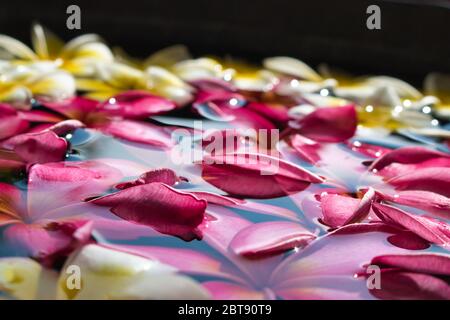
79,56
40,80
111,274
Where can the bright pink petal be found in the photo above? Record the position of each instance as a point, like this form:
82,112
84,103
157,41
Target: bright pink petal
157,205
75,108
334,124
421,276
255,175
136,104
432,230
407,155
10,122
165,176
67,126
136,131
40,116
269,238
38,147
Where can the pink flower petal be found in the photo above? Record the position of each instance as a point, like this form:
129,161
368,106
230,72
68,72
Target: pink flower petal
40,116
10,122
269,238
425,200
38,147
165,176
432,230
136,131
335,124
421,276
255,175
339,210
407,155
75,108
433,179
48,243
369,150
157,205
136,104
55,185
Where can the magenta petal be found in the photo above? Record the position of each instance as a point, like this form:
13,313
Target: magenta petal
337,209
407,155
268,238
157,205
10,122
136,131
420,276
136,104
39,147
427,179
255,175
432,230
412,286
74,108
408,240
40,116
334,124
165,176
221,290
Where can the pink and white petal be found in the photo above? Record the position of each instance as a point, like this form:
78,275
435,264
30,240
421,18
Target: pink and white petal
166,176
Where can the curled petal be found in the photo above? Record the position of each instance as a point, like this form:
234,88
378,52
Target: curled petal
67,126
157,205
268,238
255,175
165,176
431,230
74,108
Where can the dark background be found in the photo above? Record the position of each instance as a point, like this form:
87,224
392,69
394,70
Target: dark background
414,38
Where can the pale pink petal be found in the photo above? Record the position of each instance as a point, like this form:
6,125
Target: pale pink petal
269,238
221,290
